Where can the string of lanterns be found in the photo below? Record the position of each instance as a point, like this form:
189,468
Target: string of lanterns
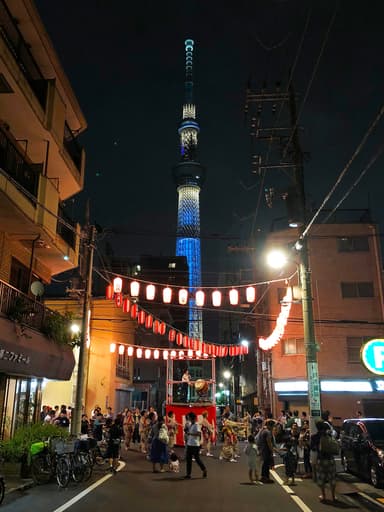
156,353
232,294
278,332
149,321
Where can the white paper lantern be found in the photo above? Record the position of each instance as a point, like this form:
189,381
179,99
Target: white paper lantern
165,354
216,298
233,297
135,288
139,352
167,295
112,347
200,298
117,285
183,296
156,354
130,351
121,349
147,354
250,293
150,292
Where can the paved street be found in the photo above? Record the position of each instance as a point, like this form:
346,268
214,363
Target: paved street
226,489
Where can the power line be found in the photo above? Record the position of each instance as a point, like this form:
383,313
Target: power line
345,170
311,79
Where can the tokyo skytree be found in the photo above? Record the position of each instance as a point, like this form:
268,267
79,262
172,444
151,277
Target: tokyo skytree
189,177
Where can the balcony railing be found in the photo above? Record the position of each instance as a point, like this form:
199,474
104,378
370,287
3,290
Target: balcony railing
14,164
17,45
72,146
63,230
20,307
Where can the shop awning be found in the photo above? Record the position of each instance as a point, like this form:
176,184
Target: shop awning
24,351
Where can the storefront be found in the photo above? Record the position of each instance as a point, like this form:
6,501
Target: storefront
26,357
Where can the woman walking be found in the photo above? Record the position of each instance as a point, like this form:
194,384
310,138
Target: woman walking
128,425
159,445
206,434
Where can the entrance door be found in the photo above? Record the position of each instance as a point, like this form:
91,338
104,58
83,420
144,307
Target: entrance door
123,399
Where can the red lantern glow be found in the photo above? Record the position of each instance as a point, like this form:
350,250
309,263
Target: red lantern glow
179,338
134,310
233,297
171,335
167,295
150,292
250,294
162,328
135,288
118,300
155,328
126,305
183,296
149,322
185,341
117,285
109,292
141,317
200,298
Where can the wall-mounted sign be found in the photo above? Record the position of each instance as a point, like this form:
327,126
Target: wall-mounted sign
372,356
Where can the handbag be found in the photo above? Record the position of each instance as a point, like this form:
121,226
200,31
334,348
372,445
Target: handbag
163,435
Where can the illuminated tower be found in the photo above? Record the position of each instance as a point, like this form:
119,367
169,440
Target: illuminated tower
189,176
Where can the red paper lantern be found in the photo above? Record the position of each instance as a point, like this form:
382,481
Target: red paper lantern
134,310
171,335
185,341
149,321
141,317
126,305
155,328
179,338
118,300
109,292
162,328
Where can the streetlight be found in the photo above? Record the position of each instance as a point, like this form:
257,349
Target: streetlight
229,392
311,347
244,343
227,374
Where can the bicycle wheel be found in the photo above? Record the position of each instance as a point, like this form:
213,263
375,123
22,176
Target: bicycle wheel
63,471
2,489
77,467
41,469
87,466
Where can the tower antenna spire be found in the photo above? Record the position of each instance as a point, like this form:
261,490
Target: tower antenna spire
189,177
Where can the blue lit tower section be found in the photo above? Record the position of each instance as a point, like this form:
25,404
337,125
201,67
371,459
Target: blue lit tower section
189,176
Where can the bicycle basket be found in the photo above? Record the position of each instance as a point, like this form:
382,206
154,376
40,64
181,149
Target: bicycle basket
64,446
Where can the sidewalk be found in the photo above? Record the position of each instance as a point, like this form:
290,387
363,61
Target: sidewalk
13,483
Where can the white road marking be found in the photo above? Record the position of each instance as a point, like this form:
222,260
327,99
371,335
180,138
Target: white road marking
89,489
299,502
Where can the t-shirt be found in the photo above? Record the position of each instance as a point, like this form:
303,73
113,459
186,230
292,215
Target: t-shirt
194,440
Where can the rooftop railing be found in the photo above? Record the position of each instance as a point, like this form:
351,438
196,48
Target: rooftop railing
13,38
72,146
18,306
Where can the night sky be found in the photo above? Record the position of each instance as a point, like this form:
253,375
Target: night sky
125,61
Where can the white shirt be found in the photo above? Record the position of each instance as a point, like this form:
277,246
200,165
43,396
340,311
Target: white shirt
194,440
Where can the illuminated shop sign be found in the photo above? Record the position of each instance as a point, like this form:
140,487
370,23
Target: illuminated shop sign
372,356
352,386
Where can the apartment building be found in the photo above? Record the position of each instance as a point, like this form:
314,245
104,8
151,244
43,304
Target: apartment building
41,165
347,292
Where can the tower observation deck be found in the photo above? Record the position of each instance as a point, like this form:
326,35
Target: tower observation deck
189,176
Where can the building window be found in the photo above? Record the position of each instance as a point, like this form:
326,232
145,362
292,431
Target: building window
172,265
293,347
354,344
353,244
19,276
350,290
122,366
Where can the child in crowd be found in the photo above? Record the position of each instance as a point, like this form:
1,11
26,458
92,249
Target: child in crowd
252,453
174,464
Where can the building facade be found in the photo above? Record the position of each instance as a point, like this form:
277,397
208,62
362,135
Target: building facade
41,165
347,293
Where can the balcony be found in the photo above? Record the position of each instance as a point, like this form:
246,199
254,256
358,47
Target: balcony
72,147
67,234
13,38
15,165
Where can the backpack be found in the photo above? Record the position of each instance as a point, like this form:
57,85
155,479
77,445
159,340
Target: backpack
328,446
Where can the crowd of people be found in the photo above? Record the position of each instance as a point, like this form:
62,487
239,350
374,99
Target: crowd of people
154,435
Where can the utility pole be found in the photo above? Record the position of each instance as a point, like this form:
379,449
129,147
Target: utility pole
82,371
305,275
286,136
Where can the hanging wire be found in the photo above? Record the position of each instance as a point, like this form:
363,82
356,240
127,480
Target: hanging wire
345,170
